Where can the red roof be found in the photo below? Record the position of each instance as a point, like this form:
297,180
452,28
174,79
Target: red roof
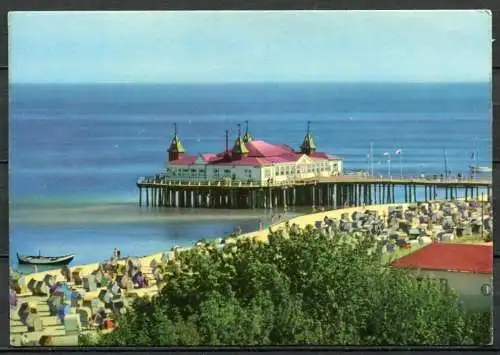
476,258
258,148
259,153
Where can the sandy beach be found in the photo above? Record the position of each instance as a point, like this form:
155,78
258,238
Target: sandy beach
260,235
147,266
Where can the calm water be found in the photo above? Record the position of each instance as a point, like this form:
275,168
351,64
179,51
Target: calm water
76,151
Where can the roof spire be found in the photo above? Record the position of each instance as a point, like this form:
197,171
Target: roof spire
308,145
175,150
175,144
247,137
239,147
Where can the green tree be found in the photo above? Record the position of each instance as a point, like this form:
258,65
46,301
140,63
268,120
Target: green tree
304,289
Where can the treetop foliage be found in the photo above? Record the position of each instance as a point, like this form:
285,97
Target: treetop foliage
305,289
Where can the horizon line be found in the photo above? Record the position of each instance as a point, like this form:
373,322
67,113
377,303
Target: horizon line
246,82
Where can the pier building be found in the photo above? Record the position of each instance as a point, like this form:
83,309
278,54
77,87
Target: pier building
252,160
254,173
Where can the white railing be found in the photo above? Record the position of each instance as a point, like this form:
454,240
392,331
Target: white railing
163,180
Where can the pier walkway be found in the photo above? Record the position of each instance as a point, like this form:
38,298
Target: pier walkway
332,191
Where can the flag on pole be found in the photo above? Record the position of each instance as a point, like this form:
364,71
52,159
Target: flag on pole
473,155
399,151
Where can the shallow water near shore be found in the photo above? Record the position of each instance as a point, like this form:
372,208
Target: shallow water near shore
91,232
77,150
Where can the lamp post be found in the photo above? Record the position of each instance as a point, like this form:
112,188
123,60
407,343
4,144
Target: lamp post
371,158
388,155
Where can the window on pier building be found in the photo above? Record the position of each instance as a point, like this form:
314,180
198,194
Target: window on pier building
216,173
267,173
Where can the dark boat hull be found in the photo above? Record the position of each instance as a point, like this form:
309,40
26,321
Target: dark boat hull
44,260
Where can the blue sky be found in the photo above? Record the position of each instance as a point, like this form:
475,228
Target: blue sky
256,46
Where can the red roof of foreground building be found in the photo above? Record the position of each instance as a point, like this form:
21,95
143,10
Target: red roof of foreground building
476,258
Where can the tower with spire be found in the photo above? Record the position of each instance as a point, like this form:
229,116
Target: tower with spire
308,145
247,137
176,150
239,149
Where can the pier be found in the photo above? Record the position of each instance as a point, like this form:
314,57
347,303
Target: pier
328,192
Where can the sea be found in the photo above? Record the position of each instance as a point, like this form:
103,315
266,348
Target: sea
77,150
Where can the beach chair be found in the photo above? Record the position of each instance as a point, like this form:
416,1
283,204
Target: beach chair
32,285
85,314
37,323
98,277
23,312
92,304
49,280
89,283
153,264
62,311
15,285
106,296
72,324
165,256
114,288
55,301
128,285
75,299
34,323
41,289
116,305
66,273
75,275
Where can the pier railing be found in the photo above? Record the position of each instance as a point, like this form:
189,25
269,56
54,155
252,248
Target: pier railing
166,181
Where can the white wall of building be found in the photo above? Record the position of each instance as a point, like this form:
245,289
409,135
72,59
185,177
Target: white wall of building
469,287
304,168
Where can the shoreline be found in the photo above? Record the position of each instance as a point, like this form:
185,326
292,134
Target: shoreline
260,235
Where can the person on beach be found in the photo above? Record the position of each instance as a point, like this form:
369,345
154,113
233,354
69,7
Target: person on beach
260,225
